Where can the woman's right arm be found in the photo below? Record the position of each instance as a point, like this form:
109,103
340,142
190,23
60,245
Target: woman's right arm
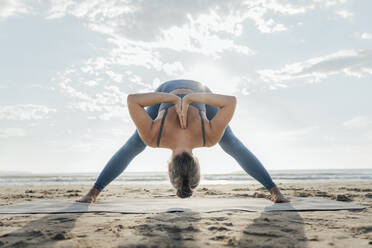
224,115
143,122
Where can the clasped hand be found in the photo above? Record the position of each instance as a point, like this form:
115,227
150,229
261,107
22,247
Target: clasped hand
182,105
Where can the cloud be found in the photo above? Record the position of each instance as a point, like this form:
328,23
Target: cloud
12,132
207,28
214,76
366,36
10,8
126,22
328,3
109,102
173,69
25,112
70,91
152,43
114,76
357,63
91,83
137,20
361,121
344,13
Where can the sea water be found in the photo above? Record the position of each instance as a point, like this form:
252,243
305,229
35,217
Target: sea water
127,178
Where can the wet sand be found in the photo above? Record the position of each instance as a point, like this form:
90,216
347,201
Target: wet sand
343,228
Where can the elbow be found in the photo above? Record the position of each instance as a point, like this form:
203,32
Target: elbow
229,102
130,98
233,103
233,100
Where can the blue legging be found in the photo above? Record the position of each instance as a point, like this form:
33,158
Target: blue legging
229,143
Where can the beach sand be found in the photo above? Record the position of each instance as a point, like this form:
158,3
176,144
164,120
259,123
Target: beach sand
190,229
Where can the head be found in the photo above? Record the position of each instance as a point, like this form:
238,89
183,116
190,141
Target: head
184,173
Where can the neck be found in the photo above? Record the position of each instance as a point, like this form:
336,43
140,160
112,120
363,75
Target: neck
179,150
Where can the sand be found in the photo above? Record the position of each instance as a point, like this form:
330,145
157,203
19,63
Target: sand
343,228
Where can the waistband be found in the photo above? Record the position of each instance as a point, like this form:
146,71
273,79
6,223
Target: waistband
182,83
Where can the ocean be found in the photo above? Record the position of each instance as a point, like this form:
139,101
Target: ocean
128,178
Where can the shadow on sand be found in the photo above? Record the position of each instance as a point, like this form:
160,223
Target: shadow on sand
275,229
269,230
43,232
177,229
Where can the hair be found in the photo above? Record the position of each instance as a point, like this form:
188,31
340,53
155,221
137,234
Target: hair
184,173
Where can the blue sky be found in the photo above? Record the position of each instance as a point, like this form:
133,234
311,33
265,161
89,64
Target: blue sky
301,71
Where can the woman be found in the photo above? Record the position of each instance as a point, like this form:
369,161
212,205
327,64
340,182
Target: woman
182,115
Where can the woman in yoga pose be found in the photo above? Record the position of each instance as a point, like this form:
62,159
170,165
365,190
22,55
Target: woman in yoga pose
182,115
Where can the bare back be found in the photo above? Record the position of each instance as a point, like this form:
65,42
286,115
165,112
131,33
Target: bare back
172,133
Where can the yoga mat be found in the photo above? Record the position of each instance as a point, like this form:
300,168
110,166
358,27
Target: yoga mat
158,205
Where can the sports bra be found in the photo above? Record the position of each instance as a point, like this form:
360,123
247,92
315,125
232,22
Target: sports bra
198,105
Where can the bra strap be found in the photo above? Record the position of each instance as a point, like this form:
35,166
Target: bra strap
161,126
202,124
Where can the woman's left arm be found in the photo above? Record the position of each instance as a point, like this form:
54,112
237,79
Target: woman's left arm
143,122
225,103
218,123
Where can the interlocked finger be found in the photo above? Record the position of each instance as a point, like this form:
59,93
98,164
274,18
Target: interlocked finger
178,106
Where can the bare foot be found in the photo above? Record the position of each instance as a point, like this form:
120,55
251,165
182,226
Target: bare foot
276,196
90,197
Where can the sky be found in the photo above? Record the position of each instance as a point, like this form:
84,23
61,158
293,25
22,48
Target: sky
301,72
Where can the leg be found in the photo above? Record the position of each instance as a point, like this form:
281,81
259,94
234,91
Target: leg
235,148
247,160
119,162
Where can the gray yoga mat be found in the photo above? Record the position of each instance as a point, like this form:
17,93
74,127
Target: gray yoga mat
158,205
